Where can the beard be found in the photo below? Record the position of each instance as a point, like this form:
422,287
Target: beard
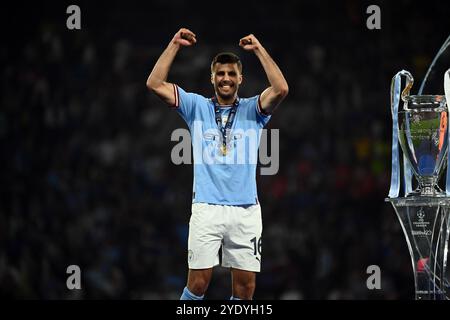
226,94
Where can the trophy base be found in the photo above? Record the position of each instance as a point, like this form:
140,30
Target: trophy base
426,225
429,192
427,189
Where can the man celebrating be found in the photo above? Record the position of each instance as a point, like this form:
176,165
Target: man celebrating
225,207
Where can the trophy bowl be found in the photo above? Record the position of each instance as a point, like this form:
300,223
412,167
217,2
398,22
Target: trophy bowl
423,137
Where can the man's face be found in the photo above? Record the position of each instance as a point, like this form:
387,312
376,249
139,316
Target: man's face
226,79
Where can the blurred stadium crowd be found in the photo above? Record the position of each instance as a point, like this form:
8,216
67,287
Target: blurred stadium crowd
86,172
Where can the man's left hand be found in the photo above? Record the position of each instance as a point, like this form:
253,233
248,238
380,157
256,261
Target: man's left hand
249,43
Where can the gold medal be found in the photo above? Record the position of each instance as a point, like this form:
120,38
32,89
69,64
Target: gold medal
223,148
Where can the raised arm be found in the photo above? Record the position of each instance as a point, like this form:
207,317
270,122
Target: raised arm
156,81
272,96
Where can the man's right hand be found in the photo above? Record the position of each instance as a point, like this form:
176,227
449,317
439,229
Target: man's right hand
184,37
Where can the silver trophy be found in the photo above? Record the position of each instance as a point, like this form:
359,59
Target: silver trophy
421,128
423,138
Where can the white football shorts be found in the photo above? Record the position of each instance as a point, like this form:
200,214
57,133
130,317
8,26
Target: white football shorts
237,229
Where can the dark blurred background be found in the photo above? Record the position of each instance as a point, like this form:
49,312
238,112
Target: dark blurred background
86,174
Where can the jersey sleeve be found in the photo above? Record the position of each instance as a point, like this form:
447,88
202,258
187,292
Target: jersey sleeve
185,103
262,117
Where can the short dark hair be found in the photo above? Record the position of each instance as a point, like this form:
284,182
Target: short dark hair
226,57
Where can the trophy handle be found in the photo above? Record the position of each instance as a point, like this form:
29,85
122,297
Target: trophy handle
409,83
395,88
447,87
447,101
394,189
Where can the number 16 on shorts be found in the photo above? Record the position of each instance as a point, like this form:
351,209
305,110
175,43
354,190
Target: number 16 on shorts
257,247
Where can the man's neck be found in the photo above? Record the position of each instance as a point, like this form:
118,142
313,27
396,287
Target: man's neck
226,102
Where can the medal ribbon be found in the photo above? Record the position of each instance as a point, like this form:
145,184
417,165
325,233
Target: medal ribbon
225,130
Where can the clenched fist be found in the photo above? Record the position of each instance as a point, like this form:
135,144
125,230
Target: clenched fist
184,37
249,43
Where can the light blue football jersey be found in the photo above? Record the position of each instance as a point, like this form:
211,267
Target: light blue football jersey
228,179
